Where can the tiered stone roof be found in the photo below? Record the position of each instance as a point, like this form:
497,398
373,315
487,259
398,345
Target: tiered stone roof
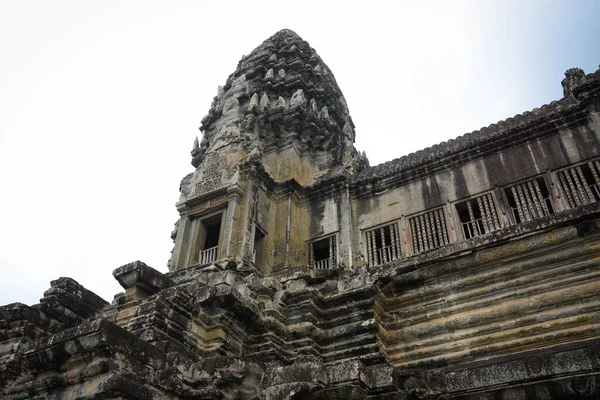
285,94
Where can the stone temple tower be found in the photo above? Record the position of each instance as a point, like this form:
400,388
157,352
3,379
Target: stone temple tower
278,127
468,270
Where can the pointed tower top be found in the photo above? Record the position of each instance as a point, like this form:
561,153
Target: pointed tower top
270,100
286,33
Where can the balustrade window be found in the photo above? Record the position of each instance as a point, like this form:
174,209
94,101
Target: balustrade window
428,230
529,200
581,184
323,253
209,230
478,216
383,244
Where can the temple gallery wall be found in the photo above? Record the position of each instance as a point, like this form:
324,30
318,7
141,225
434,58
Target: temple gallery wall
467,270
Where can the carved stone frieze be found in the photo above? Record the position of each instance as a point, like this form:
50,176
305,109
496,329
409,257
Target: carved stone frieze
211,203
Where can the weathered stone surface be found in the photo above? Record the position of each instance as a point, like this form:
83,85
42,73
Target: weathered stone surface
138,274
468,270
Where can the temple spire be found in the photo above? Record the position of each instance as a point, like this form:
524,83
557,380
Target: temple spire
283,103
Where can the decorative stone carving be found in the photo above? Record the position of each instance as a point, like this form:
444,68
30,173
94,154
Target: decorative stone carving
573,77
211,203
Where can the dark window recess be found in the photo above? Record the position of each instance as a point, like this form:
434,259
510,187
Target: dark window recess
258,252
210,229
383,244
529,200
322,253
581,184
478,216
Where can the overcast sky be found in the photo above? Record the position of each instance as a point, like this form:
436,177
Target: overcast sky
100,102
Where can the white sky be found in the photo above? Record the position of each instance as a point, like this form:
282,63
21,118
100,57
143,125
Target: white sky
100,102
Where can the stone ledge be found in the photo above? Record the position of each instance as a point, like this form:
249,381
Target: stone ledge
138,274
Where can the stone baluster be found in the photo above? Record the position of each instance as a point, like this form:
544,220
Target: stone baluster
524,205
434,237
423,233
578,184
490,207
420,230
311,251
414,235
518,204
485,215
529,200
538,191
398,241
574,191
438,227
536,200
493,210
430,230
368,242
376,259
443,225
472,219
438,230
434,229
429,233
384,258
596,170
394,236
565,186
588,191
490,212
419,247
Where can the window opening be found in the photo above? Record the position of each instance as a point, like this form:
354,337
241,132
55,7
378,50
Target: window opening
428,230
478,216
581,184
210,229
322,253
259,247
529,200
383,244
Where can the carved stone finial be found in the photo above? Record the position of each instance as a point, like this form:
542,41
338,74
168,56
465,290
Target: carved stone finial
298,99
573,77
264,102
196,144
312,107
281,104
324,113
253,102
270,75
